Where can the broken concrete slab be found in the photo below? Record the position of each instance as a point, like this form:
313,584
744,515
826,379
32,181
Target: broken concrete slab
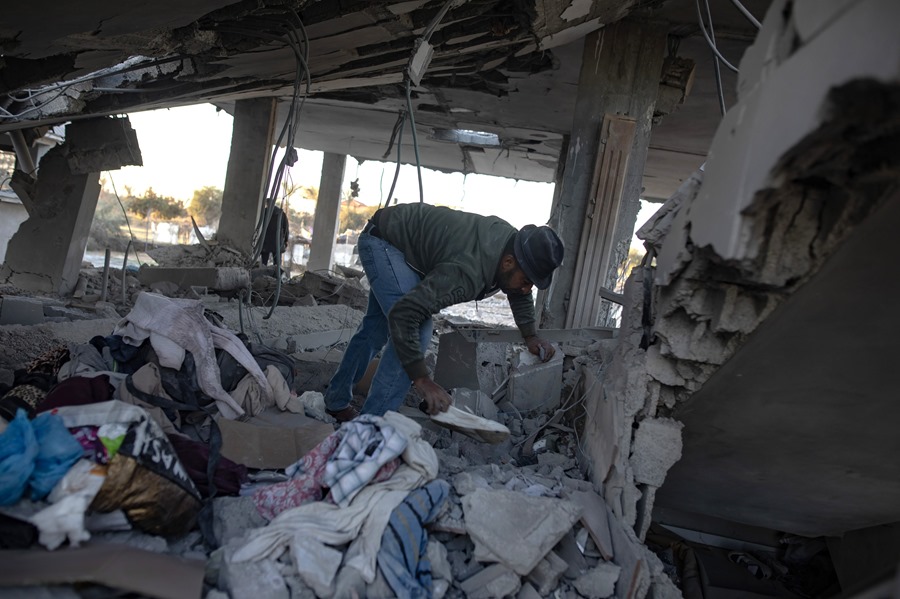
464,364
598,582
657,446
493,581
535,385
224,278
515,529
634,579
21,310
594,518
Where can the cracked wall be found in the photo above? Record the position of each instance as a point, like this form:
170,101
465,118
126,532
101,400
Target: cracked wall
690,313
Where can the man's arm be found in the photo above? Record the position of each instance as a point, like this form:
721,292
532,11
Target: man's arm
522,307
444,286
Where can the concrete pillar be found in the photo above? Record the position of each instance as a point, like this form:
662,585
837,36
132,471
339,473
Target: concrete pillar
620,76
46,252
328,212
245,181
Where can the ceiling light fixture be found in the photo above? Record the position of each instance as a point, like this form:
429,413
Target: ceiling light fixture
466,137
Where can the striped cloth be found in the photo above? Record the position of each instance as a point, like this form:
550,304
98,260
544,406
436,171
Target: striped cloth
367,443
403,556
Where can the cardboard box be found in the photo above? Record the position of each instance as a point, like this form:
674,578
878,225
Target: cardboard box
273,439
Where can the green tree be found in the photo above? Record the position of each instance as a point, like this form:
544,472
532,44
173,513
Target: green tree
206,206
354,218
151,204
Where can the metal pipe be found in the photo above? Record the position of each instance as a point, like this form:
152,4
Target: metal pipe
23,152
105,276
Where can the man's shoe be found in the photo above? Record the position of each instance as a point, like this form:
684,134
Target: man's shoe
344,415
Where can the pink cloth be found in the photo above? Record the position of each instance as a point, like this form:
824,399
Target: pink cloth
306,485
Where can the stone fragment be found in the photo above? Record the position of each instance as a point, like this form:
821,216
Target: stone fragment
257,579
467,482
515,529
440,565
662,369
656,448
598,582
547,573
528,592
493,581
232,516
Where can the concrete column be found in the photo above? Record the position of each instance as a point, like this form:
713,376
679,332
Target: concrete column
620,76
46,252
245,181
328,212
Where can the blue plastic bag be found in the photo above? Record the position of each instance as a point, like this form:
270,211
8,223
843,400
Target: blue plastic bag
18,450
57,451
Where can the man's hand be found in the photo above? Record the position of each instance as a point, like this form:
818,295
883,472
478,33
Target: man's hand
436,398
540,347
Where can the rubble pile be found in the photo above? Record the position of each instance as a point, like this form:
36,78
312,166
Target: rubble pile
197,255
286,505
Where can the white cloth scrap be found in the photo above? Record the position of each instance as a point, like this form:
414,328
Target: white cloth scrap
178,325
367,444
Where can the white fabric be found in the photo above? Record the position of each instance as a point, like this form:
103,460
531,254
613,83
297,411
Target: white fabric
364,519
178,325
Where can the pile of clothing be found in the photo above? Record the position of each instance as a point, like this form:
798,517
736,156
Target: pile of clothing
121,433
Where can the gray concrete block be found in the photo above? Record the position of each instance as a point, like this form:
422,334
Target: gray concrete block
462,363
21,310
535,385
657,446
493,581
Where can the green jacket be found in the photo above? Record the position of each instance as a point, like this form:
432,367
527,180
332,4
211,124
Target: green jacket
457,253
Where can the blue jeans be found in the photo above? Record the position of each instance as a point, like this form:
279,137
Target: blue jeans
390,278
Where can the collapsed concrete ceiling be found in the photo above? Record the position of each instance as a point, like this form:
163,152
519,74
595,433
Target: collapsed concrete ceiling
507,67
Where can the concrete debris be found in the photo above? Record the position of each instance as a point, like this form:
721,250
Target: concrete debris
515,529
656,448
478,545
598,582
493,581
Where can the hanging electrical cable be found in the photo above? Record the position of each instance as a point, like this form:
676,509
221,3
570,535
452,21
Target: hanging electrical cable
716,55
415,69
747,13
711,42
295,37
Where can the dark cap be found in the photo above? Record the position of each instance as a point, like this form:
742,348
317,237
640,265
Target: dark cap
539,251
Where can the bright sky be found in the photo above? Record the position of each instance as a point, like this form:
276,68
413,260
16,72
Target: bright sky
187,148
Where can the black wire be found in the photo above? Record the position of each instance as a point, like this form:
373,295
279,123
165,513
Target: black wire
412,126
396,170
